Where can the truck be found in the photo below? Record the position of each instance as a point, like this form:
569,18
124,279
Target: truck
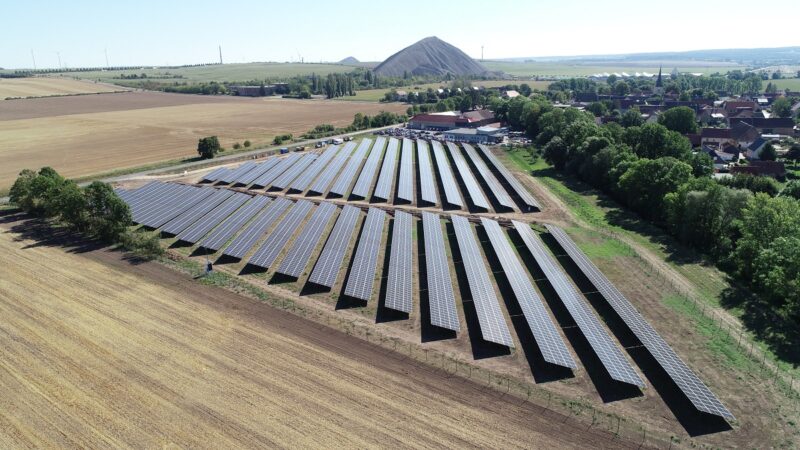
284,150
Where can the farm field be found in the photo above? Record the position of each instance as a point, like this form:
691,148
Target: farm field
100,352
565,69
214,72
785,83
43,87
132,129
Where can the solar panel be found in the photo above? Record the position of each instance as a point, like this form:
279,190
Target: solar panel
276,170
441,298
200,228
330,260
301,183
283,181
245,241
137,198
229,177
553,348
215,174
526,197
427,181
493,324
386,178
297,258
272,246
687,381
233,224
183,221
260,169
342,183
362,274
330,172
185,198
364,182
451,192
473,189
405,181
609,353
497,189
163,195
399,284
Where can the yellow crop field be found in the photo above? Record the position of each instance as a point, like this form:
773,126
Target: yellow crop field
45,86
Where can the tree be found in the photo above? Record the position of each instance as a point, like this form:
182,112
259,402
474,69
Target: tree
653,140
207,147
621,88
599,109
776,273
525,89
465,104
646,183
794,153
782,107
702,164
237,146
764,220
72,206
611,80
631,118
768,153
681,119
555,153
246,144
20,193
108,215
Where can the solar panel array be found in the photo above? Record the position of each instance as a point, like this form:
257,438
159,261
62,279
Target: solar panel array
399,284
277,170
302,182
342,184
451,192
260,169
473,189
330,260
300,253
687,381
183,221
215,174
384,186
553,348
490,316
285,179
248,238
200,228
229,177
427,180
223,233
523,193
362,273
330,172
441,298
172,202
609,353
494,185
405,181
277,239
364,182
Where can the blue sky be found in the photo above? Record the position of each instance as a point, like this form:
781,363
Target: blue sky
186,32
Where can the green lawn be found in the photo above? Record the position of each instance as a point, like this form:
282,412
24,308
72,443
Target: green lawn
785,83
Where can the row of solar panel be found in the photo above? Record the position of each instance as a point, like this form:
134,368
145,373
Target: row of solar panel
212,217
224,212
297,172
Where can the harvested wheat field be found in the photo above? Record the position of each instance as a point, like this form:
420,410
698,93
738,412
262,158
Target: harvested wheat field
45,86
100,352
135,132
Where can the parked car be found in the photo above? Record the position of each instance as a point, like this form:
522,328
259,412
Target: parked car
299,148
284,150
348,138
337,141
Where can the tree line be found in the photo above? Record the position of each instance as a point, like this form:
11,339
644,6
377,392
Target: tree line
95,210
743,225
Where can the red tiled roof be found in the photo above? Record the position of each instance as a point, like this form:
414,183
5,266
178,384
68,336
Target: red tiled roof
435,118
720,133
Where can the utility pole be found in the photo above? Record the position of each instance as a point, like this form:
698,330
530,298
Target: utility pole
220,55
106,52
34,60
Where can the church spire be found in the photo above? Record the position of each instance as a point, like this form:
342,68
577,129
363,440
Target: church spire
658,80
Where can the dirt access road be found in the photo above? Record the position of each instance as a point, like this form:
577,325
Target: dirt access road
102,352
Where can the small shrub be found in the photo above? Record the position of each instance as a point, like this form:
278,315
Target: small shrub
142,244
246,144
237,146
